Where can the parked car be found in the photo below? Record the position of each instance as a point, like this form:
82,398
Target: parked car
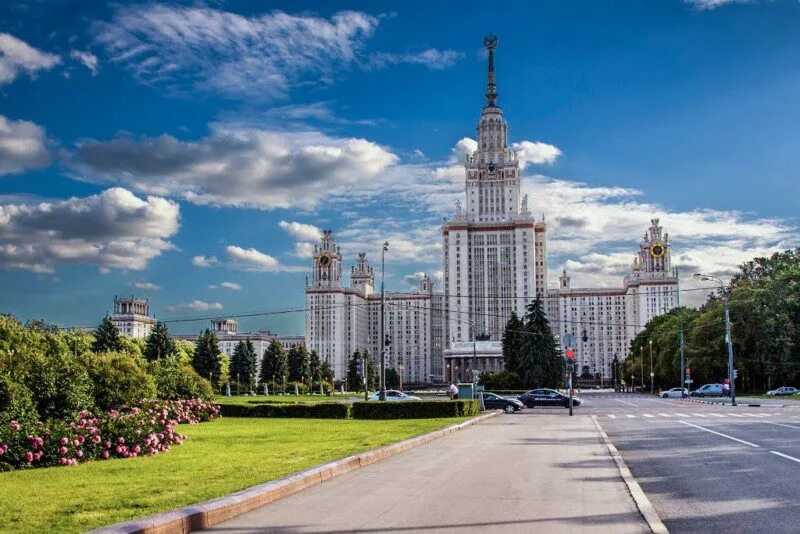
395,395
674,393
492,401
785,390
709,390
547,397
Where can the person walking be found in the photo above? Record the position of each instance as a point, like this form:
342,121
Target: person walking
452,391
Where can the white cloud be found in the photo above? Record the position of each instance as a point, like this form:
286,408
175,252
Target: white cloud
251,259
430,57
196,305
231,285
146,286
236,166
17,56
88,60
304,250
111,230
413,279
535,153
707,5
261,56
22,146
301,231
204,261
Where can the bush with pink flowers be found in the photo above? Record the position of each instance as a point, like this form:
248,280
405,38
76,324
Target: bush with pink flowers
145,429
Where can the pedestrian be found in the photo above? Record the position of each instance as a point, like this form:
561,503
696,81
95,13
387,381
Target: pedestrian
452,391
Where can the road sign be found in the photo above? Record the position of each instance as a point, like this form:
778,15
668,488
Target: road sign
689,381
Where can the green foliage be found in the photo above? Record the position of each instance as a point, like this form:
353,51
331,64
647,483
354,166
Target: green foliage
501,380
16,403
206,358
414,409
184,350
314,367
159,344
327,372
177,380
243,365
133,346
59,382
106,337
392,378
274,365
319,410
118,379
530,350
298,365
355,378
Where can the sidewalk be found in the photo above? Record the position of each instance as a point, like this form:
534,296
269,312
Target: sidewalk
538,471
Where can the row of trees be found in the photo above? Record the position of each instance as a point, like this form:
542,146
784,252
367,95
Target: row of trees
297,365
764,300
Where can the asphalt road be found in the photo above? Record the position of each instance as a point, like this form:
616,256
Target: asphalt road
708,468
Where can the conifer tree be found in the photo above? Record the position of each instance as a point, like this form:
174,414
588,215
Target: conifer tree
314,367
541,364
106,337
513,337
273,363
159,344
243,364
206,359
355,381
298,364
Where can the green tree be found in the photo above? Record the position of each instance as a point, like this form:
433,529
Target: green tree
243,364
298,363
372,371
206,358
327,372
274,363
314,367
355,380
392,378
106,337
513,337
540,361
159,344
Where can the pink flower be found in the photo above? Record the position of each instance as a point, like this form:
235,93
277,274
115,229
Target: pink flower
121,439
64,441
29,457
105,454
96,438
76,442
62,450
79,453
14,426
136,449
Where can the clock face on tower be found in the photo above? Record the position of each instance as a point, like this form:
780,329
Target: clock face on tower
657,250
324,260
492,168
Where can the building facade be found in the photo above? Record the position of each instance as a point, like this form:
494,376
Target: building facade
132,316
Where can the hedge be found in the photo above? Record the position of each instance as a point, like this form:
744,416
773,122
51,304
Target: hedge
319,410
414,409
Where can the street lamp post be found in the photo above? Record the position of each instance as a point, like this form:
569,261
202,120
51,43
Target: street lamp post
641,366
382,394
706,277
651,367
680,320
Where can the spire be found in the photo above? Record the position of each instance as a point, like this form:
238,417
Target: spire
490,43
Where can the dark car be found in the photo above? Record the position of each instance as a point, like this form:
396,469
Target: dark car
547,397
492,401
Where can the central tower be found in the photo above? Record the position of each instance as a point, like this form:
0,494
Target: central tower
494,250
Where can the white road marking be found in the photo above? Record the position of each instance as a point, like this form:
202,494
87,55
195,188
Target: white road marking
780,424
737,415
717,415
626,402
665,415
792,458
719,434
629,416
699,414
612,416
682,415
647,415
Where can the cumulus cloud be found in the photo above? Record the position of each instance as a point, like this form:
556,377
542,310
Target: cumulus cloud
18,57
204,261
535,153
88,60
22,146
111,230
304,250
231,285
413,279
237,166
146,286
301,231
250,259
196,305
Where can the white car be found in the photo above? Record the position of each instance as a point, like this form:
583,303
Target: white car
395,395
674,393
785,390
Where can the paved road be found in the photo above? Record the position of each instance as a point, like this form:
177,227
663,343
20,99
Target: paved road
535,472
708,468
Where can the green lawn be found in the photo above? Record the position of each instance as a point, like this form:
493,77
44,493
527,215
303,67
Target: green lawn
219,457
233,399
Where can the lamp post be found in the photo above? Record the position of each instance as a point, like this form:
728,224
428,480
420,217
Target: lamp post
641,365
382,394
651,367
680,321
725,294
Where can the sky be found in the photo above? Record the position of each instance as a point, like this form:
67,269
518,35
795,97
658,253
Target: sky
192,152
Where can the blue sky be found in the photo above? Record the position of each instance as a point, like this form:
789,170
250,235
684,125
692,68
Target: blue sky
190,152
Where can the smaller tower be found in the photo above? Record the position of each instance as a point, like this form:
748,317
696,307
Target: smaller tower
564,280
362,277
425,284
224,325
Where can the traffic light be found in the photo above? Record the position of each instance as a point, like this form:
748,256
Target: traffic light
735,374
569,354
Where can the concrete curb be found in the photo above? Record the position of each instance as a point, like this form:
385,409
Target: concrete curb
749,405
642,502
215,511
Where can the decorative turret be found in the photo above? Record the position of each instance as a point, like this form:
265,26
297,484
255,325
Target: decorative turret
362,276
327,263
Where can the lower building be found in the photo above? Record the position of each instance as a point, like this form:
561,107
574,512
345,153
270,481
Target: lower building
132,316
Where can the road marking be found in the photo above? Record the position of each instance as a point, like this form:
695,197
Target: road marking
719,434
665,415
626,402
781,424
682,415
717,415
737,415
792,458
699,414
629,416
647,415
612,416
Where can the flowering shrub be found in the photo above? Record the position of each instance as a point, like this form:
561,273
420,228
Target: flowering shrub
144,429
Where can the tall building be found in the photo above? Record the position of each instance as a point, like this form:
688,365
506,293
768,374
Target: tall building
132,316
341,319
603,321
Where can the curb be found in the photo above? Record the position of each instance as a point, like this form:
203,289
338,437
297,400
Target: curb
215,511
749,405
642,502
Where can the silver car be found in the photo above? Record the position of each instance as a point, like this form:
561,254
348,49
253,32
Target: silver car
674,393
395,395
785,390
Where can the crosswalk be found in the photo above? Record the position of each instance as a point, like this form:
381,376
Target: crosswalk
685,415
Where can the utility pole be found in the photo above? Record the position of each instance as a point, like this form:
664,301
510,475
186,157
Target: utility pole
641,364
382,394
680,322
651,367
725,294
